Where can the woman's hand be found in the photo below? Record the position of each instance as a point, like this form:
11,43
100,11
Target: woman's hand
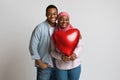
73,56
65,58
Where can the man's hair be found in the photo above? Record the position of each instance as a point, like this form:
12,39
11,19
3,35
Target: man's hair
51,6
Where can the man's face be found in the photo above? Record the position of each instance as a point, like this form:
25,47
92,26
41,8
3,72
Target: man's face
51,15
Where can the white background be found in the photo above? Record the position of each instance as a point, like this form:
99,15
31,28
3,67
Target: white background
98,20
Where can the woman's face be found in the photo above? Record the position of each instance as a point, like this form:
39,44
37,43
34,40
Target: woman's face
63,21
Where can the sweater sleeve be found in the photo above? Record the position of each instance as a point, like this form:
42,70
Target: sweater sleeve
34,44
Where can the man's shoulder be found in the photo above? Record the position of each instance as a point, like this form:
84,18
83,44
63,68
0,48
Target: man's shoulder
41,24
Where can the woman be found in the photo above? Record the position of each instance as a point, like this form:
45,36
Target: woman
68,68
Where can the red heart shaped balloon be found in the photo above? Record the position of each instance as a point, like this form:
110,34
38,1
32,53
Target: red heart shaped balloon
66,41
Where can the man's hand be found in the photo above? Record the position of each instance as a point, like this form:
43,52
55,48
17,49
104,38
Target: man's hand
41,64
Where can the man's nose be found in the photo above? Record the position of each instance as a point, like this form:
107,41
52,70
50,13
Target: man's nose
52,15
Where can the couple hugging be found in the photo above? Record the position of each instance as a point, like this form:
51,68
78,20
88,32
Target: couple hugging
56,47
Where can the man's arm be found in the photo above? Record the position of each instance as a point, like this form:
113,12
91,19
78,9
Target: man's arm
33,47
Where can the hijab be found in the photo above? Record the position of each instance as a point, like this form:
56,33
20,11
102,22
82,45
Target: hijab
69,26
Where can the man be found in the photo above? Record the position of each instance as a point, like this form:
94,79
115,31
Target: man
40,44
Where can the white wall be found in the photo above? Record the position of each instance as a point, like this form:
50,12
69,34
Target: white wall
99,21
